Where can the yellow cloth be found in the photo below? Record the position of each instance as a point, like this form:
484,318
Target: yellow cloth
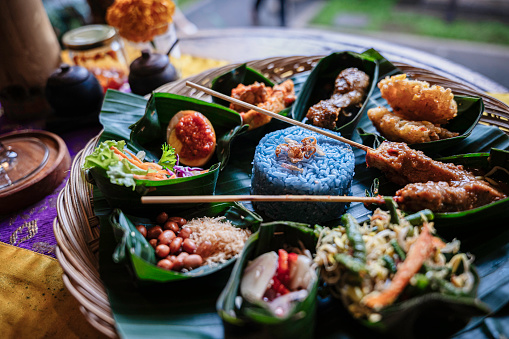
187,64
34,302
504,97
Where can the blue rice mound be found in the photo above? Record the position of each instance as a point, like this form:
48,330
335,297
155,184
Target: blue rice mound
331,174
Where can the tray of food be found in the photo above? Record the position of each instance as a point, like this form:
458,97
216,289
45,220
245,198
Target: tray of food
287,268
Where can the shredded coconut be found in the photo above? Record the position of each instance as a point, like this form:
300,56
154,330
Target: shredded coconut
227,240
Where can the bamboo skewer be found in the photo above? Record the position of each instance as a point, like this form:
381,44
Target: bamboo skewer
230,198
277,116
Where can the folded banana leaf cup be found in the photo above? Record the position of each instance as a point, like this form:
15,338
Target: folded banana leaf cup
424,310
470,110
135,251
320,86
254,320
247,76
148,134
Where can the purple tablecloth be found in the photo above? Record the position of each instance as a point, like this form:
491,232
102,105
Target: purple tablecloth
32,227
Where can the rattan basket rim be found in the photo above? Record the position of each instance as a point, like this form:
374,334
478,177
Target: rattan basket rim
76,227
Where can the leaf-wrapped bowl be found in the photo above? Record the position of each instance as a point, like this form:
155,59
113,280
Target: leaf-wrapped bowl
247,76
148,134
470,110
134,250
467,222
430,306
320,85
252,319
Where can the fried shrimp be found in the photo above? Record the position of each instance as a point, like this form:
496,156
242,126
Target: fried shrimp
417,100
396,128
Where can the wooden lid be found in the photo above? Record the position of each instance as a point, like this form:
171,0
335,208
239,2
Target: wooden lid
42,163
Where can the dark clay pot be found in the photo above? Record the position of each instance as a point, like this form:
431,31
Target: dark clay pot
150,71
73,91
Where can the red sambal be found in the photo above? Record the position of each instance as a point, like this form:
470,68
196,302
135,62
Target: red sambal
196,135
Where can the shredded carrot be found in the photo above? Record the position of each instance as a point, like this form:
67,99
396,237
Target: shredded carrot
117,152
134,157
418,253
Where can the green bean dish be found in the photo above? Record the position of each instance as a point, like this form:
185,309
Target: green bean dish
372,266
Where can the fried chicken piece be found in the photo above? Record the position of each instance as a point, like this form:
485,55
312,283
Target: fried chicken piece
274,103
403,165
253,94
351,79
272,99
446,196
396,128
416,100
288,90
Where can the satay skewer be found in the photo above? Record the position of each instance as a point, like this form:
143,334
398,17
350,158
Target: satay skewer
230,198
277,116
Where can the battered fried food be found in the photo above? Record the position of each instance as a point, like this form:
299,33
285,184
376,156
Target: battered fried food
396,128
416,100
272,99
403,165
349,90
446,196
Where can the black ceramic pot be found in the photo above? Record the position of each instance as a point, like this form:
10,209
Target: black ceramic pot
150,71
73,91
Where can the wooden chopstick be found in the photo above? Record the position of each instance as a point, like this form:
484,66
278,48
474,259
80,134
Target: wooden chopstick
277,116
229,198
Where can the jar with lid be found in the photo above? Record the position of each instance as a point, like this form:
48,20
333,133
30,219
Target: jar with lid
99,49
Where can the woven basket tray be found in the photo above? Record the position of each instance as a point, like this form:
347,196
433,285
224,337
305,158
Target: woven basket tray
76,227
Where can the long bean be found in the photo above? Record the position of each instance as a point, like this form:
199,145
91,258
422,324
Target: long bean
420,217
350,263
354,235
389,263
399,251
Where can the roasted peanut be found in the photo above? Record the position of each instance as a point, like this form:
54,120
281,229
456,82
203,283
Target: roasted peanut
142,229
172,226
204,249
189,246
153,243
154,232
185,232
175,245
165,263
192,261
162,217
180,221
162,251
166,237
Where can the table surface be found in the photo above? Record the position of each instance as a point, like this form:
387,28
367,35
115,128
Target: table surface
240,45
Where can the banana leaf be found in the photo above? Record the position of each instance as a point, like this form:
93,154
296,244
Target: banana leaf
320,86
150,131
247,76
254,320
448,310
130,117
470,110
467,222
135,251
141,311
